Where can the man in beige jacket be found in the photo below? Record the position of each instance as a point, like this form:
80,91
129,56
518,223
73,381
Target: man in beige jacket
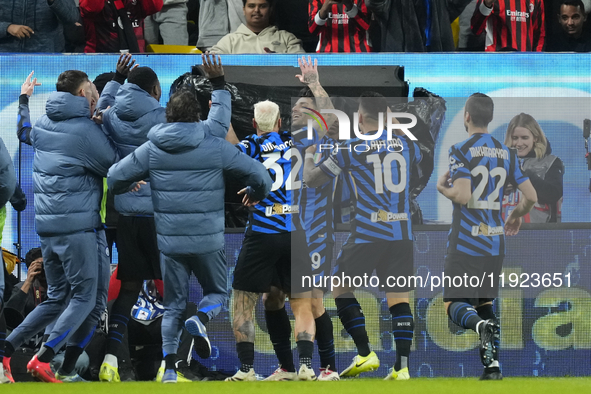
258,35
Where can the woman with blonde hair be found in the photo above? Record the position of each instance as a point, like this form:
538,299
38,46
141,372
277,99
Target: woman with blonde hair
543,169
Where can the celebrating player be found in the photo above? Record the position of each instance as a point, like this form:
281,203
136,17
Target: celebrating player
381,234
479,169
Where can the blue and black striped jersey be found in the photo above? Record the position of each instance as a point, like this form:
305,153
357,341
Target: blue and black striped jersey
477,227
380,170
302,139
317,212
274,150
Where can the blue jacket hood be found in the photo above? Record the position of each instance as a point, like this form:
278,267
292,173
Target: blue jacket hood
176,137
63,106
127,99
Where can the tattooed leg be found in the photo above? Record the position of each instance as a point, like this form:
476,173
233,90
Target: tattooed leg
244,303
305,328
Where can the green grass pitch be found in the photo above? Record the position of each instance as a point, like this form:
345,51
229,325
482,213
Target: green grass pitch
355,386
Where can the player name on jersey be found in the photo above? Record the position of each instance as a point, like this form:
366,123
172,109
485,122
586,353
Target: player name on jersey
484,151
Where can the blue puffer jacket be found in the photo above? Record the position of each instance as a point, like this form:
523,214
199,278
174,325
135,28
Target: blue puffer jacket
45,20
7,175
187,171
72,155
127,123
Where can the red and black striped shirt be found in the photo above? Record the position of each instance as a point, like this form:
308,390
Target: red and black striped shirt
341,31
511,25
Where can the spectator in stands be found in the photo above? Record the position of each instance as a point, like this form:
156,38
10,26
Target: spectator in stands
574,35
216,19
405,27
510,26
342,25
467,40
115,25
544,170
170,23
35,25
258,35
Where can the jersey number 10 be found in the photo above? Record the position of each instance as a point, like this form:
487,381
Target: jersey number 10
382,172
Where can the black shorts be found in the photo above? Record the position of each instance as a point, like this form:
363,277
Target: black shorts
321,254
264,261
139,257
301,265
389,259
474,292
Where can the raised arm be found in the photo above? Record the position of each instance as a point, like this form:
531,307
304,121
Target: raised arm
309,76
23,126
125,64
220,114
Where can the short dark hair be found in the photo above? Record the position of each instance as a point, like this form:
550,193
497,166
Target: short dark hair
574,3
481,108
372,104
32,255
144,77
306,92
101,80
69,81
183,107
270,2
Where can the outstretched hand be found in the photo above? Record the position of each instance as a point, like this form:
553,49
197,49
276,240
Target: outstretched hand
212,65
309,70
247,201
512,226
29,86
125,64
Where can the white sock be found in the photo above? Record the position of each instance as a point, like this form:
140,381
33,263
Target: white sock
494,364
111,360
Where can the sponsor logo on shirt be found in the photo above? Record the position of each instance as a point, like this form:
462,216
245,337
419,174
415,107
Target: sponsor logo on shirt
281,209
384,216
487,231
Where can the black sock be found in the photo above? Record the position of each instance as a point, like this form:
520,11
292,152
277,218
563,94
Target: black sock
464,315
403,330
70,359
245,355
354,322
46,354
118,320
486,312
170,361
203,317
279,329
8,349
305,350
2,333
325,341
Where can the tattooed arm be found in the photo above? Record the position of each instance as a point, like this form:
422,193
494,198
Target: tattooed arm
309,76
244,303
